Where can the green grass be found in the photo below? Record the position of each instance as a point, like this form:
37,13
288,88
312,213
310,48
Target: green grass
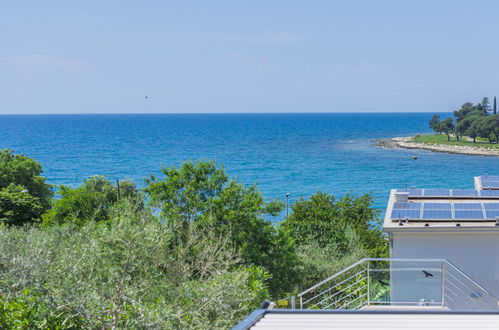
442,139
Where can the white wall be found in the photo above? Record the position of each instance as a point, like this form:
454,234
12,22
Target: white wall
476,254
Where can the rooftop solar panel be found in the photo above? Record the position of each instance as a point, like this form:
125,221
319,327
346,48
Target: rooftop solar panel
492,215
434,211
489,184
468,206
489,193
407,206
412,192
468,215
406,214
436,192
464,193
437,215
490,177
491,206
437,206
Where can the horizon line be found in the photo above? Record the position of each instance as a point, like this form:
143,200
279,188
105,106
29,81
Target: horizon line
214,113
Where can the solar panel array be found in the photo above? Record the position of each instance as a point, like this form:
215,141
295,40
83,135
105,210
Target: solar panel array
489,182
445,211
451,193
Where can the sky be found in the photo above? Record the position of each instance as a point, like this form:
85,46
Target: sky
153,56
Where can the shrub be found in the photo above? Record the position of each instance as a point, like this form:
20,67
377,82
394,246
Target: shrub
323,220
130,272
92,201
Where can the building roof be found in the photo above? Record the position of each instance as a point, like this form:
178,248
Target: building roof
447,210
342,319
487,182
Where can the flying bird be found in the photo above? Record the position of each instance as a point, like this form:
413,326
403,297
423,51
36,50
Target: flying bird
426,274
146,97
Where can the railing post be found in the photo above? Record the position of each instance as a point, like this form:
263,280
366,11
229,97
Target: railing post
301,302
293,302
442,283
368,287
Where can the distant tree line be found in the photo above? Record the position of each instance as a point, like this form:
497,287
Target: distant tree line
472,120
192,249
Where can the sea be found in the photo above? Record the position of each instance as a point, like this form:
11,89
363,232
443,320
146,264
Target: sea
298,154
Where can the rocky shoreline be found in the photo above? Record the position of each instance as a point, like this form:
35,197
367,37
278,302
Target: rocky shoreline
406,142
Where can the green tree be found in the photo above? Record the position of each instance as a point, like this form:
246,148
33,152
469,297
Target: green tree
463,126
24,194
202,193
434,121
484,106
325,221
473,130
494,122
92,201
465,109
447,127
487,127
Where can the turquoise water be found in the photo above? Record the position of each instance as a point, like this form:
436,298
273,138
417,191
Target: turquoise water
295,153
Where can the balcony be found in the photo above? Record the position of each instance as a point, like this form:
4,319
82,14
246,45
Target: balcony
396,284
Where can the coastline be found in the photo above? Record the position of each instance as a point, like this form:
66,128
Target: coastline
405,142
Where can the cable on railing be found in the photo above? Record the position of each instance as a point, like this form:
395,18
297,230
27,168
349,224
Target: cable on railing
332,287
457,288
335,294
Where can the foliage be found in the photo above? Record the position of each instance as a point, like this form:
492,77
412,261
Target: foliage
320,262
464,126
24,194
17,206
434,122
469,108
446,126
472,121
28,311
92,201
325,220
130,272
202,193
103,259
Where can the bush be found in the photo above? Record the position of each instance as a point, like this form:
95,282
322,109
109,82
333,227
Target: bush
323,221
320,262
92,201
129,272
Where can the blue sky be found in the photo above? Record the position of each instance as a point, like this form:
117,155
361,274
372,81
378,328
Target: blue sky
246,56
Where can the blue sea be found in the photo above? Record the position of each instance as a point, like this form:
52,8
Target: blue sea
298,154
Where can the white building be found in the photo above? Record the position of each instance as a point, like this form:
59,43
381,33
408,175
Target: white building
443,270
459,225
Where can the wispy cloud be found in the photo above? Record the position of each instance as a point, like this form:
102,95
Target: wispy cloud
227,37
36,63
258,64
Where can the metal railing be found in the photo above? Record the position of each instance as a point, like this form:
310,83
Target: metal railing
396,282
